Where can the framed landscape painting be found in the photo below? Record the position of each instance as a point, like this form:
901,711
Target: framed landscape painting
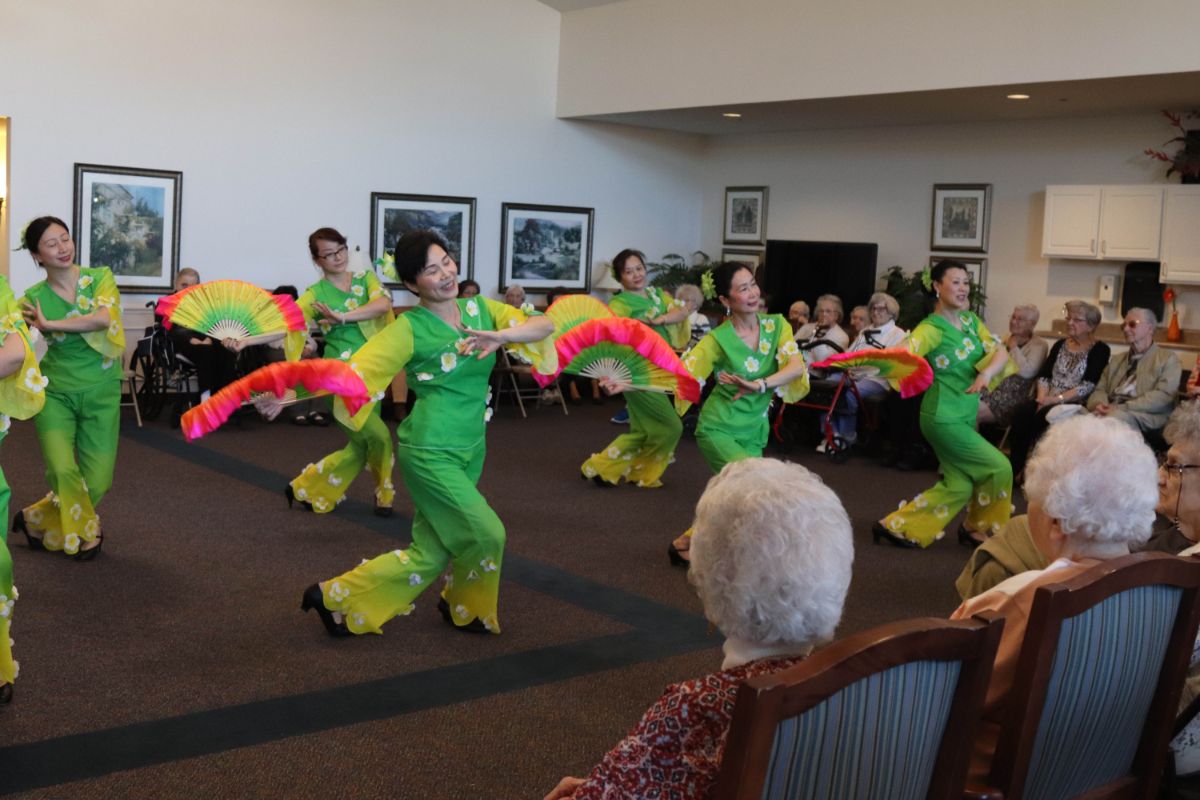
751,258
393,215
544,247
746,215
127,219
960,216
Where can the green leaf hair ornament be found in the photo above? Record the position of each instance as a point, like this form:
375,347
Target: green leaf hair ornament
387,266
927,278
21,236
707,286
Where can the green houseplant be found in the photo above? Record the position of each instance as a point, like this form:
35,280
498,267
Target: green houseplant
915,303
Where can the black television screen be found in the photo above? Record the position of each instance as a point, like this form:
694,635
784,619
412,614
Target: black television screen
806,270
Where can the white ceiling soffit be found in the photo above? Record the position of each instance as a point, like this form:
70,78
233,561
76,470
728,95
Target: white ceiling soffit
1086,98
575,5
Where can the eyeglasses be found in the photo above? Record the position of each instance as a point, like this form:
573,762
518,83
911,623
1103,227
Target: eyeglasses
333,255
1131,323
880,307
1175,469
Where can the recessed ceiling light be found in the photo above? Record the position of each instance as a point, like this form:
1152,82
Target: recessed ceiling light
1017,96
731,115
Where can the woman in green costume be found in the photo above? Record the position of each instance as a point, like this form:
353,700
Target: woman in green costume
642,455
965,358
350,308
22,394
447,348
78,310
754,356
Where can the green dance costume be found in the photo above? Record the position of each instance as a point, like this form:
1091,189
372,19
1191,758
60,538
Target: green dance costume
642,455
324,484
441,451
22,395
79,425
972,470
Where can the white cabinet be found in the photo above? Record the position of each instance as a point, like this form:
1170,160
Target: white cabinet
1181,236
1103,222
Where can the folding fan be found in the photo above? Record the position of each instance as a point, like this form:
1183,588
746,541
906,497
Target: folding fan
573,309
232,309
907,373
626,352
315,375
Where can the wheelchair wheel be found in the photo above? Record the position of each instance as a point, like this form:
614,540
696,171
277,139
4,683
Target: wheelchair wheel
152,393
838,450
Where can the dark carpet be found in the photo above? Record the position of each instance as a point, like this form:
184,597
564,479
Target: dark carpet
178,664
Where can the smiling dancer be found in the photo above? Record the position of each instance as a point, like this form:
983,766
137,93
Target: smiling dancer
642,455
965,357
447,347
78,309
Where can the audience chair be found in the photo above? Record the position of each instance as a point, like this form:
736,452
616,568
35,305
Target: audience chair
1098,681
507,380
887,714
129,378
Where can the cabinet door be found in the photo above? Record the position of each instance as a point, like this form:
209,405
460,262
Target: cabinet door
1071,225
1130,222
1181,235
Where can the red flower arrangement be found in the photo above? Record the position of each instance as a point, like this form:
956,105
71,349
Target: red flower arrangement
1186,160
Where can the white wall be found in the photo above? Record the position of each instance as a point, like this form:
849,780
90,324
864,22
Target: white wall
284,115
656,54
875,185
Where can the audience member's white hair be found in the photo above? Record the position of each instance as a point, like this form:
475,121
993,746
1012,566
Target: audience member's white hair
1146,314
1031,311
1183,428
893,305
690,293
514,295
833,300
771,553
1098,478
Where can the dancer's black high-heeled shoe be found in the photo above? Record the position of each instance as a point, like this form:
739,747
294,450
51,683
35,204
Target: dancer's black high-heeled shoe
290,494
966,539
474,626
313,599
879,532
676,556
383,511
6,692
91,553
32,542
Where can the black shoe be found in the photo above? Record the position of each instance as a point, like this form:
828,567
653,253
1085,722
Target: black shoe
967,537
879,532
677,559
290,494
383,511
32,542
91,553
474,626
5,694
603,484
314,600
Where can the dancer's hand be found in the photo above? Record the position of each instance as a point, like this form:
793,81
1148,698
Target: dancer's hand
482,342
33,316
611,386
270,404
745,386
565,789
978,385
328,313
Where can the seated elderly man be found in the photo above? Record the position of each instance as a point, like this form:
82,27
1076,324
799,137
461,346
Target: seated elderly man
798,314
1138,386
1092,492
215,361
756,522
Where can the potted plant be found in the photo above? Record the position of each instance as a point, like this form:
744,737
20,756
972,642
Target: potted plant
915,302
1186,160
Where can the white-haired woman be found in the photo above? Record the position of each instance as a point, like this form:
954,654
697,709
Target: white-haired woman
757,519
692,298
1092,492
882,332
825,328
1027,352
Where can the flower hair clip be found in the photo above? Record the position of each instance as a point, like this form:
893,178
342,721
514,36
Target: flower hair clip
707,285
21,237
927,278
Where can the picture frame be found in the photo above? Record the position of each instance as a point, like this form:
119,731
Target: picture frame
394,214
961,217
976,266
751,258
543,247
745,215
128,219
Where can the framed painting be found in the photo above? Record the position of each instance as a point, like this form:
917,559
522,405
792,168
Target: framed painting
128,220
751,258
545,247
961,213
393,215
746,215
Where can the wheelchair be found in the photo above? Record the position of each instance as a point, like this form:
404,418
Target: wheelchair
164,375
824,396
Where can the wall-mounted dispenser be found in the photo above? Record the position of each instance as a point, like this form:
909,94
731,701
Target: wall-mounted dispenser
1108,289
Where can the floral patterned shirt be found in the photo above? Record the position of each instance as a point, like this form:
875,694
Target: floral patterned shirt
956,355
78,361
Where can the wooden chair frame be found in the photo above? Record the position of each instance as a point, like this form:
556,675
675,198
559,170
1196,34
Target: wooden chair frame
1053,604
763,702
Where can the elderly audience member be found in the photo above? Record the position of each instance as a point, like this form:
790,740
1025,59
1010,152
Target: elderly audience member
859,320
514,296
757,521
1028,353
798,314
215,361
1091,490
1138,386
816,338
468,288
1067,377
692,298
881,332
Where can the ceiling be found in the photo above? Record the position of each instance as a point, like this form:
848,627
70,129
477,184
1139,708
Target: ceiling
575,5
1085,98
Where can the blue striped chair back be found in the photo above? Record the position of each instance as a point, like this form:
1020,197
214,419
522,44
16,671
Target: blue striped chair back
876,739
1104,676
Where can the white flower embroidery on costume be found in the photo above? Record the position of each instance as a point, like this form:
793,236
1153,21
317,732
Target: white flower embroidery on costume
960,354
764,347
401,555
58,336
489,565
487,414
359,620
527,308
589,471
351,304
473,308
424,376
790,348
449,361
768,325
76,511
983,499
334,480
613,452
941,512
896,523
415,580
472,575
5,423
461,611
751,364
71,543
84,302
358,290
91,528
106,363
35,381
302,493
34,515
320,504
345,355
337,592
489,624
920,501
941,362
